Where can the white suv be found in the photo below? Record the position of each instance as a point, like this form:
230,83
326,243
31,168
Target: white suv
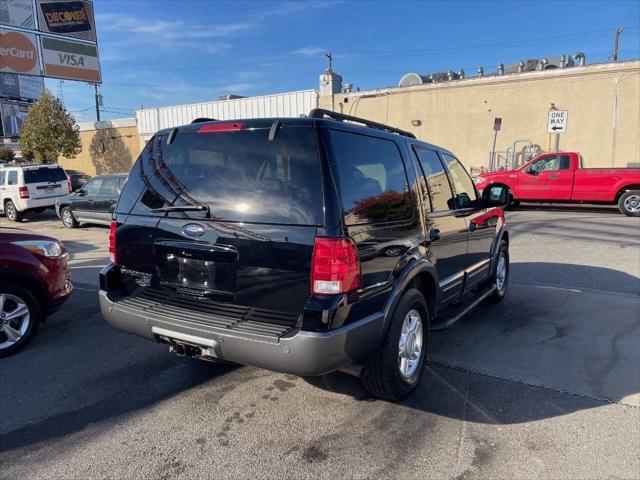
30,187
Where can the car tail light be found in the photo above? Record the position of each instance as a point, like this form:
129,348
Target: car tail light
220,127
112,242
335,266
24,192
69,184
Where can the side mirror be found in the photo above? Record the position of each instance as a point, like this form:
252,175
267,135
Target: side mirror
533,172
498,197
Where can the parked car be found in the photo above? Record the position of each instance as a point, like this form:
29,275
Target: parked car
25,188
561,178
239,240
76,179
93,202
34,282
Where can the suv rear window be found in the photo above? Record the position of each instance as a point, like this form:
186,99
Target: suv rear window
240,175
373,181
42,175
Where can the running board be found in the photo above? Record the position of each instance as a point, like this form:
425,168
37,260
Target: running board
462,310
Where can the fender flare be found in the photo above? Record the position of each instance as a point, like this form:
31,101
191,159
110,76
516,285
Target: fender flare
403,280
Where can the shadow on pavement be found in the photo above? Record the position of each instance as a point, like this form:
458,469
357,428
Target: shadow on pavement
511,362
558,339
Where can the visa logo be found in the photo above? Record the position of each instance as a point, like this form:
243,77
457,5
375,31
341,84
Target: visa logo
73,60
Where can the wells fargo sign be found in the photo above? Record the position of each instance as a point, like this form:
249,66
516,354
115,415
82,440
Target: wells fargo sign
18,53
69,18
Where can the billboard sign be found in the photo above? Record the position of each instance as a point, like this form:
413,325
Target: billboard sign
13,115
68,18
70,60
18,53
21,86
17,13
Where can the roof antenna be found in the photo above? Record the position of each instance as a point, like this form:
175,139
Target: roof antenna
330,58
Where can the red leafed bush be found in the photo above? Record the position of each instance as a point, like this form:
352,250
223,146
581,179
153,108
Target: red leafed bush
389,205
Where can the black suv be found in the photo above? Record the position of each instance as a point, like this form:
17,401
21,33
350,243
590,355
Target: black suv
302,245
94,202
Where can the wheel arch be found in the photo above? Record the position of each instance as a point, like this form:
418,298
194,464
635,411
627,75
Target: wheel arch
28,281
631,186
420,274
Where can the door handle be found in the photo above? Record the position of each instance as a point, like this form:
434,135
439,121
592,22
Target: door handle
553,176
434,234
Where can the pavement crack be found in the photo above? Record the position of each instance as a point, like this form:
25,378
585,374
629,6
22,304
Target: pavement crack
520,382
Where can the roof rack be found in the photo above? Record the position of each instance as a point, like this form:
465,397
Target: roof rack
322,113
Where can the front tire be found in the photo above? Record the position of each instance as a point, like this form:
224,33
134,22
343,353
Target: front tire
500,277
12,212
395,370
20,315
629,203
68,220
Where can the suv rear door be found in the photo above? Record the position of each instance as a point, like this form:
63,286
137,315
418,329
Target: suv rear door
446,231
45,181
253,250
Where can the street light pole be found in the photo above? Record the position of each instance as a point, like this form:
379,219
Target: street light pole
95,86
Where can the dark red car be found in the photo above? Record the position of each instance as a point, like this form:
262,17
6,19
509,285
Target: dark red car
34,282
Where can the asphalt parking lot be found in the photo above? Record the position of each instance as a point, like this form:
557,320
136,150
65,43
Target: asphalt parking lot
544,385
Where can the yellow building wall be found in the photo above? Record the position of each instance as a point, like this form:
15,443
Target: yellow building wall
603,101
105,150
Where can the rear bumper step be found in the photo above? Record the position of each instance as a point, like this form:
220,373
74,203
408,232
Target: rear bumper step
281,348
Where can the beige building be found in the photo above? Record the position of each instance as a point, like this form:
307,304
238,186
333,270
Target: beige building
107,147
603,101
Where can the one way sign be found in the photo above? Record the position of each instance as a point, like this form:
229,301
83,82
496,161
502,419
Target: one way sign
557,121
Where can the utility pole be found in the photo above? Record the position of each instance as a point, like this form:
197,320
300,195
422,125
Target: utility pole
615,44
95,86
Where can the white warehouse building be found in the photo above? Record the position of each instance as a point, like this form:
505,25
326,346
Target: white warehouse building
289,104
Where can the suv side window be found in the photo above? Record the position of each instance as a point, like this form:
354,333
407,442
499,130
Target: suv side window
12,177
92,187
462,183
110,187
440,193
3,176
372,177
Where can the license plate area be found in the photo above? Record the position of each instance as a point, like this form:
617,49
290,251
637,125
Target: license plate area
196,268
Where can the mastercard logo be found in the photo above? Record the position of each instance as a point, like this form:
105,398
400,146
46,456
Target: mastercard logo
17,52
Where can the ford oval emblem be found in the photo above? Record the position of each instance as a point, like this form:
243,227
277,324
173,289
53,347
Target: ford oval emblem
193,230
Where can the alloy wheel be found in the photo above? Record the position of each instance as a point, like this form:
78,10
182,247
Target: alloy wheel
410,344
14,319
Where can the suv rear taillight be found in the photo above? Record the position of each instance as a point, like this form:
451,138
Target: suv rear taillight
335,267
69,184
112,242
24,192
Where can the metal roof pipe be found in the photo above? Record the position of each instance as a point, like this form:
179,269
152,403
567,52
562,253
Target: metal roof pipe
480,71
501,69
581,58
542,64
563,61
520,66
461,74
450,75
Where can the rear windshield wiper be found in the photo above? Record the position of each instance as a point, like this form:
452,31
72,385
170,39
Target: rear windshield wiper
184,208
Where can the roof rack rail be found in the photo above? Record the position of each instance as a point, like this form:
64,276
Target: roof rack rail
322,113
203,119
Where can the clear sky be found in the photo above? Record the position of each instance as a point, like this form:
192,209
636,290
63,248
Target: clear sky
161,52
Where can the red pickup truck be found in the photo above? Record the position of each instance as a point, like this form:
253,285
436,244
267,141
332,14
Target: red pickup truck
560,178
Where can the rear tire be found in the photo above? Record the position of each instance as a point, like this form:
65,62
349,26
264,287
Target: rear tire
500,277
629,203
385,375
17,331
68,220
12,212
